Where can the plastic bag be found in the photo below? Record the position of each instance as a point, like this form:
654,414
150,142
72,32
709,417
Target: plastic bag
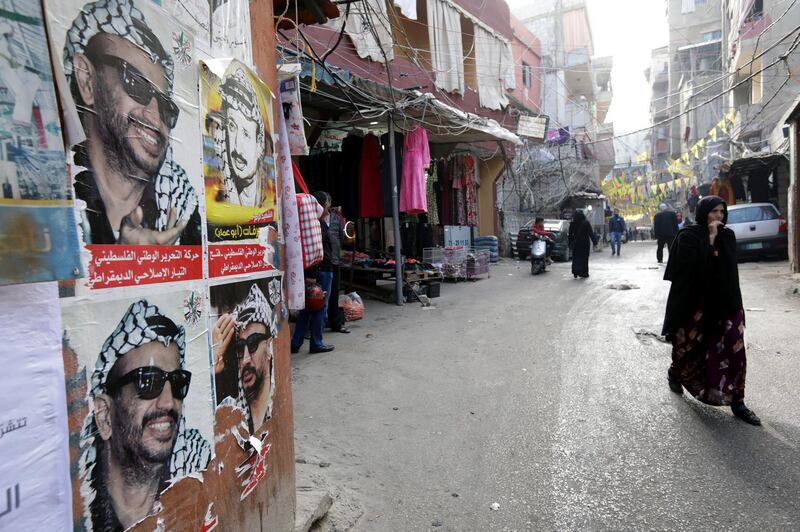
353,306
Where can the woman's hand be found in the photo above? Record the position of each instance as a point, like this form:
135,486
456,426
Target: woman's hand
221,337
713,230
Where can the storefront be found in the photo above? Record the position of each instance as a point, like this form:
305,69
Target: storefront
446,162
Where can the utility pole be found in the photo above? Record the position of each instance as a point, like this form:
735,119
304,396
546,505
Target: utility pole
398,267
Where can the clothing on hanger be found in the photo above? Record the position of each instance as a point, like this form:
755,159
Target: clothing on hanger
370,198
416,158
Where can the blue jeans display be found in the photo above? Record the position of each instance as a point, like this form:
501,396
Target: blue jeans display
616,242
316,319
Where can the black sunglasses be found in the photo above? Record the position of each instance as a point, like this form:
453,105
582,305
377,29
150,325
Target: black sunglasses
150,380
251,342
141,89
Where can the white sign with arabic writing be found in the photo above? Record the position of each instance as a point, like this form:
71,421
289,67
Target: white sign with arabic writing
35,491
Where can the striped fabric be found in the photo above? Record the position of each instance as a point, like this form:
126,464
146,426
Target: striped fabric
309,210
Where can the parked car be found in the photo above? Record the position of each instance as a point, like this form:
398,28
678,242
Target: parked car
760,230
560,230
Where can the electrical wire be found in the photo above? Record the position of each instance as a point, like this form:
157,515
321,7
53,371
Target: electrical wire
713,98
341,33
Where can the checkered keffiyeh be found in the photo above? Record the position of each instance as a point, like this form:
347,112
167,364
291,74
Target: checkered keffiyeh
114,17
238,93
123,19
141,324
309,210
256,308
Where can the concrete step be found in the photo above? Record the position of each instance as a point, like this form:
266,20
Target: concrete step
312,505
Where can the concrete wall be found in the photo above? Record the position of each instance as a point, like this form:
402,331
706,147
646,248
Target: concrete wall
686,29
526,49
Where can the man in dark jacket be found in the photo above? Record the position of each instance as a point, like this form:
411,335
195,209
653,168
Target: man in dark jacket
616,227
665,227
322,274
336,234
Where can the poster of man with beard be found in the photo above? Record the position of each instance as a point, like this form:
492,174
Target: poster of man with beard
245,318
148,421
238,147
129,70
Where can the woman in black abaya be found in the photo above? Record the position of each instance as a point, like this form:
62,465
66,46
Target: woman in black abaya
581,239
704,318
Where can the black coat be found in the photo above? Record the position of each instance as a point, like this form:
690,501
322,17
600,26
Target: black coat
581,238
665,225
701,280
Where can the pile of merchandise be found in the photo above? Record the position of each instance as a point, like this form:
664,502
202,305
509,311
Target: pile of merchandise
489,243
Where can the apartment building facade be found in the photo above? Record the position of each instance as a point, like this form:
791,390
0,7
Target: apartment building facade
576,94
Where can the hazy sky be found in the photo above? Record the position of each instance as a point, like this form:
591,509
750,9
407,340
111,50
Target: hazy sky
628,30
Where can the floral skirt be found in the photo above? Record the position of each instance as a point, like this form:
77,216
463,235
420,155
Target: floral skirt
710,360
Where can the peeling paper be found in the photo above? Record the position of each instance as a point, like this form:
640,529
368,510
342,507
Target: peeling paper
152,153
38,241
35,489
241,182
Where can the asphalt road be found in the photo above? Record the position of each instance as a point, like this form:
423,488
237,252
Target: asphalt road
548,396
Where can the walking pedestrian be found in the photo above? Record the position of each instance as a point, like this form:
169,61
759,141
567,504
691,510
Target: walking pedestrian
581,238
704,318
665,227
616,226
336,318
323,275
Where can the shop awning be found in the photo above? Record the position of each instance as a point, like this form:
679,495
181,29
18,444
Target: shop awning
760,164
444,123
303,12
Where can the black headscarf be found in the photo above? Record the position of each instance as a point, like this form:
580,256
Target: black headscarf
704,208
703,277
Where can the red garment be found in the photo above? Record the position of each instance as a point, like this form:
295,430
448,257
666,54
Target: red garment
540,230
370,197
471,191
416,158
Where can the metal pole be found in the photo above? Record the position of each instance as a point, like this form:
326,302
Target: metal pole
398,267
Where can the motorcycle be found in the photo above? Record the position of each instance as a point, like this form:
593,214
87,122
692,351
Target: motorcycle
538,254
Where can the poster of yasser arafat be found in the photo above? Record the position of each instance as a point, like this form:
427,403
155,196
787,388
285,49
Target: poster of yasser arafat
245,320
38,238
141,399
239,170
130,71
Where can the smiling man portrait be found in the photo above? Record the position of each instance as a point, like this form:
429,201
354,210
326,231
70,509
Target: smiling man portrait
135,438
121,78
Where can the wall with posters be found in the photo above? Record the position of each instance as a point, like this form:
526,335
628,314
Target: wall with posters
169,325
38,241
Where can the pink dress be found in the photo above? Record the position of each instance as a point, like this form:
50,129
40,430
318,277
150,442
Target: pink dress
416,158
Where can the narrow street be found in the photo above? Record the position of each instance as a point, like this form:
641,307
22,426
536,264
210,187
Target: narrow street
548,396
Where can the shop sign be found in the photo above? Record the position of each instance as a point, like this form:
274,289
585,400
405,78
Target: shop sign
533,127
457,235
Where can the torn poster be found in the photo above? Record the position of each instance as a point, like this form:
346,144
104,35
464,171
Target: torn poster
142,365
130,69
241,184
245,322
38,238
34,444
